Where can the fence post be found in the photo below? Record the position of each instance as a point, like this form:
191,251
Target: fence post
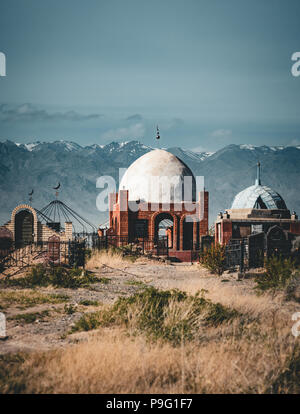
106,241
242,256
84,253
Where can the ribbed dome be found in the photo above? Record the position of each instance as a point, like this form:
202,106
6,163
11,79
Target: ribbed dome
139,181
260,197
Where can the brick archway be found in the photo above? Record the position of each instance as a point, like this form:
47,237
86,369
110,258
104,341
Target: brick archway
175,225
35,220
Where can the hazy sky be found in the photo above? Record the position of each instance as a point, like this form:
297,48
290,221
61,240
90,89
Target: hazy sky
209,72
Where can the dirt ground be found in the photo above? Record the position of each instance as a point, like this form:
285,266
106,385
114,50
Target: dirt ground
52,329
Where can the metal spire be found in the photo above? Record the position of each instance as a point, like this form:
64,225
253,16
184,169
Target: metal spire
157,134
56,188
30,195
258,180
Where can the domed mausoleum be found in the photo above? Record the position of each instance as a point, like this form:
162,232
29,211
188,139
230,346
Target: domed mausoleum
159,187
140,178
258,196
257,210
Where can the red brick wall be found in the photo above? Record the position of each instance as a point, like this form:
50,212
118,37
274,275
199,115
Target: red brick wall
295,227
126,219
226,229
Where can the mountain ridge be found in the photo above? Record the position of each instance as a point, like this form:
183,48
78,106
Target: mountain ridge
40,165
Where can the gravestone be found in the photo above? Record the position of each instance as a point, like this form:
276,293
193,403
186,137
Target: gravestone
2,326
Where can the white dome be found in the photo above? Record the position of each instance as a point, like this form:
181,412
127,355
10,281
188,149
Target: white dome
141,179
259,197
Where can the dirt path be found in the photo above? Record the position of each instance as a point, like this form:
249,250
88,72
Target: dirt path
53,321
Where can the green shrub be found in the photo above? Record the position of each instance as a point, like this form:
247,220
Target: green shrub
69,309
214,259
28,298
170,315
279,272
138,283
29,317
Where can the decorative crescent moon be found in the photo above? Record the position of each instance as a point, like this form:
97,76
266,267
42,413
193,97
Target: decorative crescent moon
57,187
30,194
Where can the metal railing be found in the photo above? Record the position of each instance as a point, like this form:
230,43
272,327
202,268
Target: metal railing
136,246
55,253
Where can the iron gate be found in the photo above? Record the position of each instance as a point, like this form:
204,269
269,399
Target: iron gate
235,253
162,246
256,243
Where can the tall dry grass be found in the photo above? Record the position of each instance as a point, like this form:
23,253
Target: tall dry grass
253,353
112,362
109,258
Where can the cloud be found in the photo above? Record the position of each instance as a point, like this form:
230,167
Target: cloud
172,123
28,112
294,143
199,149
135,117
221,133
132,132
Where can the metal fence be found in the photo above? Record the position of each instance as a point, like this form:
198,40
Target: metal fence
71,253
137,246
236,252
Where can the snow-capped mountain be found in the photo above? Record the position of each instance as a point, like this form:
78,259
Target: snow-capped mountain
40,165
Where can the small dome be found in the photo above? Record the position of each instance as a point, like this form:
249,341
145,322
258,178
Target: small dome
260,197
139,181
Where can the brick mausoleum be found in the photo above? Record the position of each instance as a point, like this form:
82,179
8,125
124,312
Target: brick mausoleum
25,227
145,208
256,210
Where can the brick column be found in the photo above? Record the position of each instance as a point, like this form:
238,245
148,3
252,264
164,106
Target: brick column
112,199
203,201
123,220
175,233
216,233
195,232
181,234
68,230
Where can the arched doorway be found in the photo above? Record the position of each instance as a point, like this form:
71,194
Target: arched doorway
187,234
164,228
24,228
277,242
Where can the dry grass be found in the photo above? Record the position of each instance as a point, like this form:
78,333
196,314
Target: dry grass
103,257
254,352
112,362
245,301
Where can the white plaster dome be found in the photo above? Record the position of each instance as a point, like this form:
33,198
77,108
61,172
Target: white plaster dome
259,197
159,176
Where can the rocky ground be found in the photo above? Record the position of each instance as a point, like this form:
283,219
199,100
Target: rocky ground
43,326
